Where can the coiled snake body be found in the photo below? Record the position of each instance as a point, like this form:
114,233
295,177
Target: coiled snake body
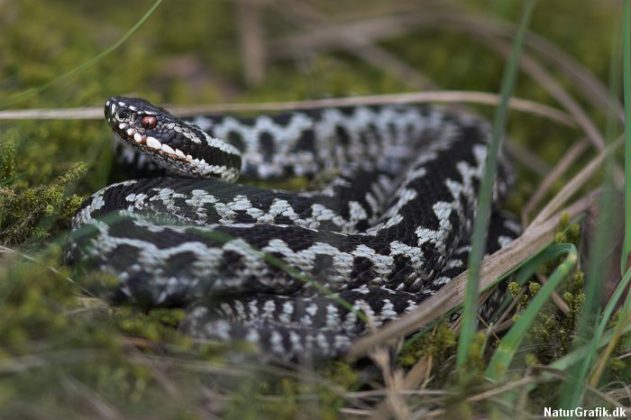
290,272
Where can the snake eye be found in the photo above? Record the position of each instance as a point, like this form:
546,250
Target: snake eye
148,122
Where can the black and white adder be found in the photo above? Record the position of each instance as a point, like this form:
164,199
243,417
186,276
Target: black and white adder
291,272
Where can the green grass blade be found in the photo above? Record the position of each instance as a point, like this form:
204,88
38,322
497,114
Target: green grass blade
83,66
579,354
478,243
511,341
575,356
602,338
626,60
588,329
609,309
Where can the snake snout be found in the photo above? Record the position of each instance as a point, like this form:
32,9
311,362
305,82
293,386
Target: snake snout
117,112
110,109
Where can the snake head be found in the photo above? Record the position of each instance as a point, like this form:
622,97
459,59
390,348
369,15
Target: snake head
173,143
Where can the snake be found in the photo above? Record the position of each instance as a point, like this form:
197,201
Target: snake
294,273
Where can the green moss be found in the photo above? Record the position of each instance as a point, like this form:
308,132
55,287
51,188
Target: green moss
26,214
283,398
50,334
7,162
157,325
437,344
567,232
552,334
553,331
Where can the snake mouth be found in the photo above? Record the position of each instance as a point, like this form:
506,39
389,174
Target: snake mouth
150,144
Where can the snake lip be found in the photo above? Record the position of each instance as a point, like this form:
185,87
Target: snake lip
150,144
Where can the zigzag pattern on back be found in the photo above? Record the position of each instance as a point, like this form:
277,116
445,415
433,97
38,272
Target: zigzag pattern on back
386,233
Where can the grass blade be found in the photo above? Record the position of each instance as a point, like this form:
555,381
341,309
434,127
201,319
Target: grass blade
589,329
611,305
511,341
469,315
579,353
83,66
626,63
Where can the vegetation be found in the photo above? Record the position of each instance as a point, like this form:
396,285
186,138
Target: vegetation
561,337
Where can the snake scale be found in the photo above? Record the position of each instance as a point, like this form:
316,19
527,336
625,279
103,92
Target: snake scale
294,273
